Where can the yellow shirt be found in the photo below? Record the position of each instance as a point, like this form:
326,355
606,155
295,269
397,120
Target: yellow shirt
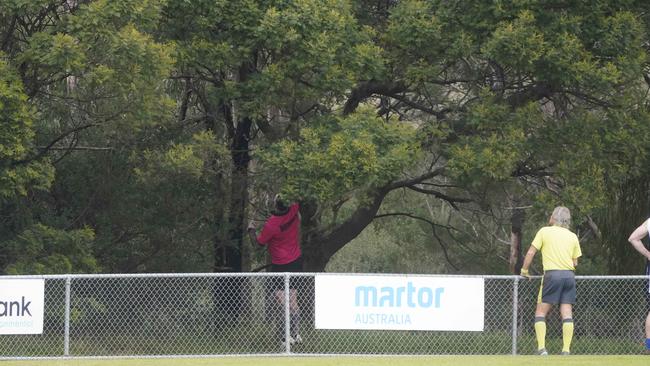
559,247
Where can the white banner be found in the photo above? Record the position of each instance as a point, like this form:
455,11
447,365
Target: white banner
399,303
22,303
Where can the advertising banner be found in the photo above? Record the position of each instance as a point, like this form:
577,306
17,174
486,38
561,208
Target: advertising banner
22,303
399,303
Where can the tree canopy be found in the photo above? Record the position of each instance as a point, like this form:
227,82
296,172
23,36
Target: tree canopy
143,135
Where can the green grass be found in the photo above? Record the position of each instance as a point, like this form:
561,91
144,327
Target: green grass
259,340
354,361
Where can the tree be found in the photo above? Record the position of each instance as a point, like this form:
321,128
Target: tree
540,104
167,121
43,250
83,76
16,140
269,67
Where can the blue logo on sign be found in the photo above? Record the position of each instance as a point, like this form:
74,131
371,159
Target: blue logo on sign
409,295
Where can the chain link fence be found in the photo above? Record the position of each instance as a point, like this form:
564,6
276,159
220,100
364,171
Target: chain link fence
244,314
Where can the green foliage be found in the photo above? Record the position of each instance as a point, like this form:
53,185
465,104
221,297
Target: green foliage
124,65
341,155
45,250
415,33
511,101
16,140
173,193
182,160
566,49
498,144
78,74
285,52
574,136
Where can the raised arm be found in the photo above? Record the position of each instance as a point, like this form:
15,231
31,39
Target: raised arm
252,234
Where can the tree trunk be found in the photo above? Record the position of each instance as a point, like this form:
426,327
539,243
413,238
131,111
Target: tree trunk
230,256
230,293
516,257
238,195
319,247
223,256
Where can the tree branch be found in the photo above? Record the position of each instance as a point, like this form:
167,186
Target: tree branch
416,180
78,148
185,100
367,89
439,114
451,200
533,93
433,229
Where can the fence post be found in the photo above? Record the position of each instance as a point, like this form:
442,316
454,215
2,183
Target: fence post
66,335
515,314
287,313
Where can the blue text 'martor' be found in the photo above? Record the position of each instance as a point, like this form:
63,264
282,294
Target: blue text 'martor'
409,295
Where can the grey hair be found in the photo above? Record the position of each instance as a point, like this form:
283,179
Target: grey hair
561,216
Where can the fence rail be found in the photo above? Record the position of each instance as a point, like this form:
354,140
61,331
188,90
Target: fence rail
150,315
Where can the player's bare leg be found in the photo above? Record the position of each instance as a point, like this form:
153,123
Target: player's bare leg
294,314
279,298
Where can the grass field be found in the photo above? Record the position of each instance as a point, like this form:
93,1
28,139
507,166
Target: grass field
353,361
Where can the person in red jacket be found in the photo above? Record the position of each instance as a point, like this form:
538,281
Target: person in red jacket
281,236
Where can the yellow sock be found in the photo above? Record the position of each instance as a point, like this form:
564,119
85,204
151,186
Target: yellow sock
567,334
540,331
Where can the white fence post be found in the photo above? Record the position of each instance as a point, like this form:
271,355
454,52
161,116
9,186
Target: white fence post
287,313
515,313
66,336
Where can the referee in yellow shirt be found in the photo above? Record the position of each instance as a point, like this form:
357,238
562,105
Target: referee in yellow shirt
560,251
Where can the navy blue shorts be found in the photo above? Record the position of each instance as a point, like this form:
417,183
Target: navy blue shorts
558,287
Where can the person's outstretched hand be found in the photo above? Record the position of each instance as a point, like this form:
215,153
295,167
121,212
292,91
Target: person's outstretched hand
251,226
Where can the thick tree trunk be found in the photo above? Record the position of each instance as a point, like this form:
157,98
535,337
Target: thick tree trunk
239,191
223,256
319,247
229,257
230,293
239,128
219,240
516,256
